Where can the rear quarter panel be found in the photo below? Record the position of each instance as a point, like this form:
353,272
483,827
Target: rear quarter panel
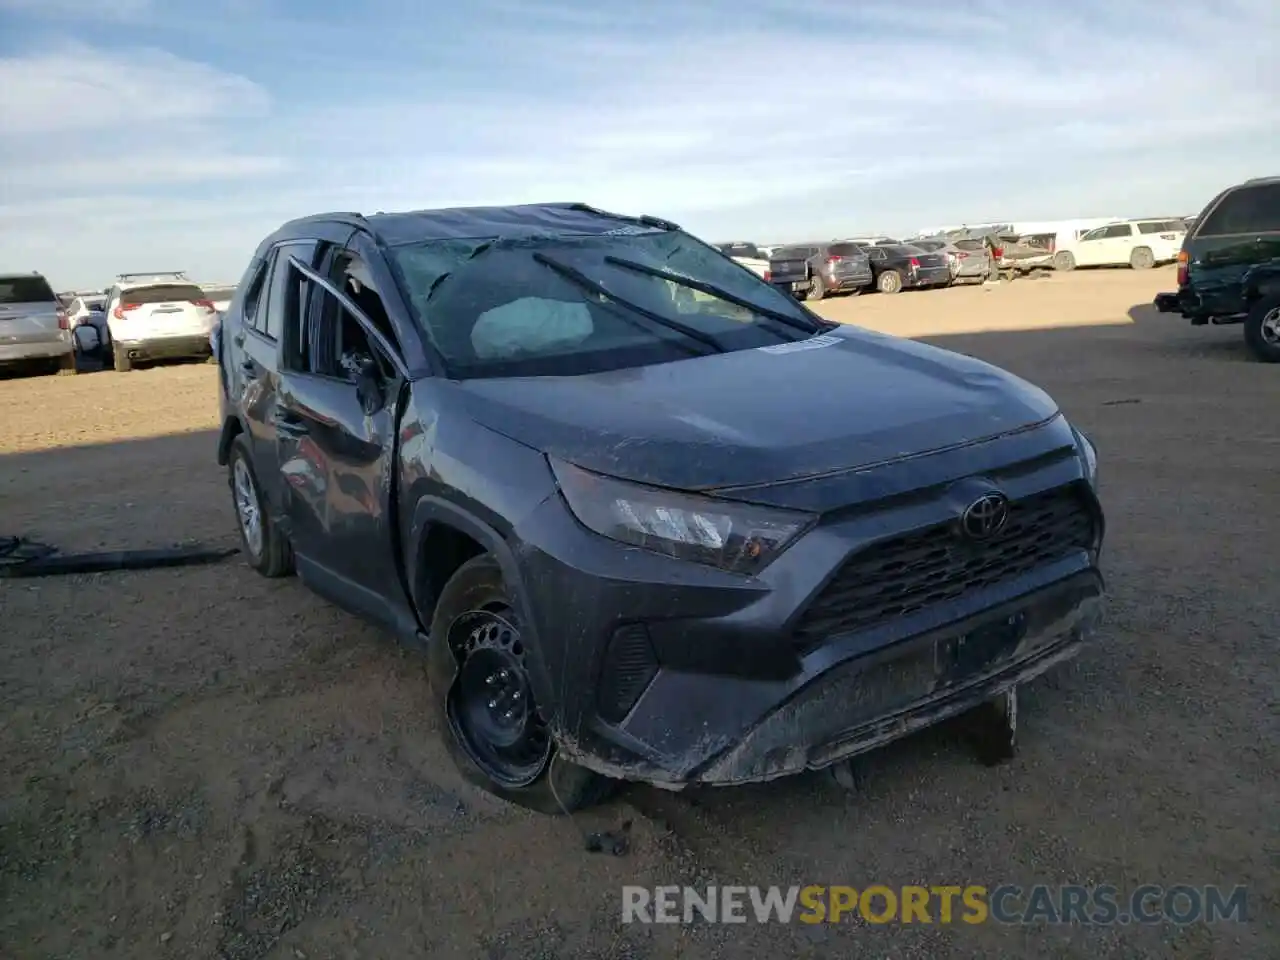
1218,266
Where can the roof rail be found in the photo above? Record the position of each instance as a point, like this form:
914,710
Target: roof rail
178,274
644,219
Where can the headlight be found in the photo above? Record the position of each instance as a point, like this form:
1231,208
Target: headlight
737,537
1088,456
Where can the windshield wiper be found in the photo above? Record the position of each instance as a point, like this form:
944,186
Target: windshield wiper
582,280
794,322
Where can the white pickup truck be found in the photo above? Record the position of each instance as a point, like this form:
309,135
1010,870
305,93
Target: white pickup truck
747,254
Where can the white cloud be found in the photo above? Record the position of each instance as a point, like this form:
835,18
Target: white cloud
79,119
783,121
79,9
79,88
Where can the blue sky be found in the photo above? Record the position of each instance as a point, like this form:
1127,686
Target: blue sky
149,134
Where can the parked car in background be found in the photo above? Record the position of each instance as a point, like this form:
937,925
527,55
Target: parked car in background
1229,266
756,590
747,254
34,325
1140,244
1029,252
978,231
1014,255
815,270
90,310
968,259
899,266
83,307
157,316
220,296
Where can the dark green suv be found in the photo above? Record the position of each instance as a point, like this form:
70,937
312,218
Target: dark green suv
1229,267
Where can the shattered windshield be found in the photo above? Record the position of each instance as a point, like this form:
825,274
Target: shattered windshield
561,306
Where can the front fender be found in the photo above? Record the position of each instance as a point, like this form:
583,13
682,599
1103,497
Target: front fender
231,428
430,510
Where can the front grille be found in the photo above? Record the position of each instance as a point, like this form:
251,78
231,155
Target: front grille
898,577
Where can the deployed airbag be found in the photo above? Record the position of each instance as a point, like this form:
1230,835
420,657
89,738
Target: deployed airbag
530,325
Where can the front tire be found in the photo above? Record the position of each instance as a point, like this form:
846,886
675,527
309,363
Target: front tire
817,289
889,282
1262,330
265,548
483,699
1064,260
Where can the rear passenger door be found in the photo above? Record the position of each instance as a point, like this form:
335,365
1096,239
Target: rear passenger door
257,340
1123,243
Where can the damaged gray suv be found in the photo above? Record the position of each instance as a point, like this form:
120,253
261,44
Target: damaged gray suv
649,518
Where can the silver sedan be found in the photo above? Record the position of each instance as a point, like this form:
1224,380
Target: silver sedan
968,259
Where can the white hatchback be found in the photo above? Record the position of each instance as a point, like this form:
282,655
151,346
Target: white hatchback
158,319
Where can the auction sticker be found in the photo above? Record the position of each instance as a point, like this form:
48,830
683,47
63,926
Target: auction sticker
813,343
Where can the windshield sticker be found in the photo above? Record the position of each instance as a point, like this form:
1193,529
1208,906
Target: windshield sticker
813,343
627,231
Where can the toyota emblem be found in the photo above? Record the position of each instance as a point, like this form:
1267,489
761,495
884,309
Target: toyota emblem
985,517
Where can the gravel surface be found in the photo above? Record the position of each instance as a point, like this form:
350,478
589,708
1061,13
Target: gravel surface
202,763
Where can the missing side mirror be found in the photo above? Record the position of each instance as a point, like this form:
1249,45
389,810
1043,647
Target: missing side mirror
370,389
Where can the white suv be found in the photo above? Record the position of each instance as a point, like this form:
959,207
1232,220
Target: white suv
1136,243
157,316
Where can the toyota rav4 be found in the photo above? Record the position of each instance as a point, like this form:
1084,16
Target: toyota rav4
649,518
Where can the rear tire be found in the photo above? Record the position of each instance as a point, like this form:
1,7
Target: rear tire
817,289
266,549
1142,259
1064,260
67,365
1262,330
476,638
120,361
889,282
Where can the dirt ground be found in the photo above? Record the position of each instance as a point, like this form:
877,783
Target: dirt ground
201,763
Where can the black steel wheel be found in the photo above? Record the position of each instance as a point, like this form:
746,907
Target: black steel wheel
491,703
479,663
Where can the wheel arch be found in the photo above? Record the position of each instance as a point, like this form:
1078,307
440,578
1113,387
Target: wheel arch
436,522
231,428
1260,283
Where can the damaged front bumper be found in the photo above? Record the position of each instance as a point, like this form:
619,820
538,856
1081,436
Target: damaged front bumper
837,711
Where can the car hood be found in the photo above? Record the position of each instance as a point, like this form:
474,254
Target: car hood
847,399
